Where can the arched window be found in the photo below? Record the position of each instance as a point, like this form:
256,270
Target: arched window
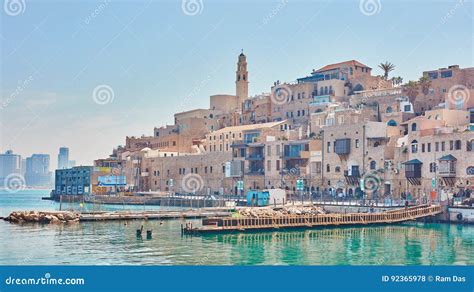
413,127
414,146
373,164
392,123
389,109
328,168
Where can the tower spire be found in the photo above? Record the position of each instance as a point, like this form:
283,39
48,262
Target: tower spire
241,81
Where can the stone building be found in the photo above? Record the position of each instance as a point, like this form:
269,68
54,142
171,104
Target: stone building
436,154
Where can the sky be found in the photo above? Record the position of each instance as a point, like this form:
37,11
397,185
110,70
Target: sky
86,74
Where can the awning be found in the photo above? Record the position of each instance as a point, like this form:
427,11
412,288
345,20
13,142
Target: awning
413,161
448,157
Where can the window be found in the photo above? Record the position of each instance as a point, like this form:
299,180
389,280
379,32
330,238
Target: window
470,145
269,150
278,165
373,164
278,150
446,74
269,165
407,108
337,169
389,109
423,147
436,146
413,127
329,147
328,168
392,123
443,144
432,167
457,145
357,143
451,145
428,147
414,146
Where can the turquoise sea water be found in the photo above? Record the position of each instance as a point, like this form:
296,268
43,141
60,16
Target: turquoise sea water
115,243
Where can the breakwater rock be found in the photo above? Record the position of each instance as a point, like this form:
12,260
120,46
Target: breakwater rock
42,217
281,211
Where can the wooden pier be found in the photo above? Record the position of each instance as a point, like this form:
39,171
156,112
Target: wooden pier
230,224
153,215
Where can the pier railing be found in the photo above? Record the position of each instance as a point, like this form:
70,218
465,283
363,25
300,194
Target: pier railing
285,221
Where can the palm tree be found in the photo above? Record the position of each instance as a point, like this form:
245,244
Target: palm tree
397,81
387,67
424,82
411,90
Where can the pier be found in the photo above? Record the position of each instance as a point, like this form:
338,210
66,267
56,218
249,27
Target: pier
46,217
230,224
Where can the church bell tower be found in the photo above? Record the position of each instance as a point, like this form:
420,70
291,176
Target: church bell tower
241,81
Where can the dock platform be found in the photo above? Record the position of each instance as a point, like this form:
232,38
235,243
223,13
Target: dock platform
242,224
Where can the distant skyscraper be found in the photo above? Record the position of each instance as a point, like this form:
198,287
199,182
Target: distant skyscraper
37,170
63,158
9,164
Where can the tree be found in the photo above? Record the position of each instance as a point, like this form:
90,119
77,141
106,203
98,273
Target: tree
397,81
411,90
387,67
425,83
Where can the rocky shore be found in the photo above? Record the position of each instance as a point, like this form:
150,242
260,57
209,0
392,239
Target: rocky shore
42,217
272,212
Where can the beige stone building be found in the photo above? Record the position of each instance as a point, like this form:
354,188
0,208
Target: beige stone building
442,82
436,154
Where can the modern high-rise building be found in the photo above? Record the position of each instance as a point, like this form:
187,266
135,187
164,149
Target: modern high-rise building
63,158
9,164
37,170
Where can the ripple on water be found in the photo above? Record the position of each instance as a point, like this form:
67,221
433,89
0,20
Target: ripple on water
116,243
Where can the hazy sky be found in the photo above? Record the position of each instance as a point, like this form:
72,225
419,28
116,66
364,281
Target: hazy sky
161,57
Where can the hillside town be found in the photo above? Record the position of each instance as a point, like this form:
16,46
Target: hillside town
340,131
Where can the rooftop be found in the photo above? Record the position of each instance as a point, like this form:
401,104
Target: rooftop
339,65
248,127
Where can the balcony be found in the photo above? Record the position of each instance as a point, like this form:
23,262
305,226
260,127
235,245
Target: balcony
254,156
413,171
342,146
353,172
447,166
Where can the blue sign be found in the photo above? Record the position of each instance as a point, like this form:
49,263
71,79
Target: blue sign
470,170
112,180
